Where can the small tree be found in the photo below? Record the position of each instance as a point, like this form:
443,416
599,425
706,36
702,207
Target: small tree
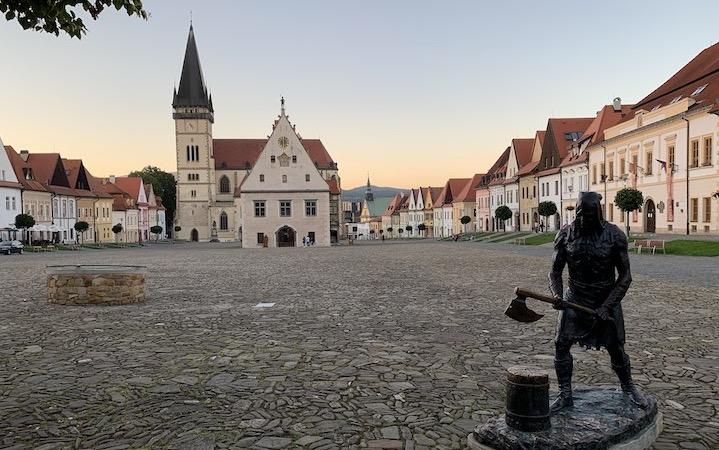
81,227
381,231
628,200
409,229
503,213
117,229
371,232
400,231
464,221
390,229
547,209
421,227
156,230
24,221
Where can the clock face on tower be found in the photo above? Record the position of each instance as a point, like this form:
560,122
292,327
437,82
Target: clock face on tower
283,141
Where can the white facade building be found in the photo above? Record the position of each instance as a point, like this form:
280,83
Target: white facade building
10,198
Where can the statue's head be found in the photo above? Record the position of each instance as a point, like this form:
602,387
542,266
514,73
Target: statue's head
589,211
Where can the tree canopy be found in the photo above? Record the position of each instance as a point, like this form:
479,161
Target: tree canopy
465,220
163,183
24,221
629,199
55,16
117,228
81,226
547,209
503,213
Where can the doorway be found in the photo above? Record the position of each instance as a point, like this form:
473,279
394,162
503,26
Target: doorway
194,235
286,237
650,217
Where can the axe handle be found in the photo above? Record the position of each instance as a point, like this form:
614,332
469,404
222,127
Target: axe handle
547,299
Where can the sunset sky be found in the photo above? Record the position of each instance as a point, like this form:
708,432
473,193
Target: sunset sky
412,92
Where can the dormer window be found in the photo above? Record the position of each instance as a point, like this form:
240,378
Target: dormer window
675,99
699,90
272,159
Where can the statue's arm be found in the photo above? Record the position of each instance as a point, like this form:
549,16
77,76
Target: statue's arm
624,273
559,260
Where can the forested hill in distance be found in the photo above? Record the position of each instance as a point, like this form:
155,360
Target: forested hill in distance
357,194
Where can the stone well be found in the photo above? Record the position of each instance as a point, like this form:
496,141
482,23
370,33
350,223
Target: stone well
95,284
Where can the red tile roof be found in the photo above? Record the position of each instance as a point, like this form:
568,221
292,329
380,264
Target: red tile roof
10,184
131,185
467,193
702,69
334,187
529,168
606,118
451,189
18,164
523,150
243,153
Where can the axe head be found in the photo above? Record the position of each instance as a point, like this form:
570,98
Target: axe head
518,311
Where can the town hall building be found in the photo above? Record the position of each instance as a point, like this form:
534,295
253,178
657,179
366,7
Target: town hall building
271,192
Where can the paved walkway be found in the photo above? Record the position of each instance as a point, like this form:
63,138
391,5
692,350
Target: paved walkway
394,346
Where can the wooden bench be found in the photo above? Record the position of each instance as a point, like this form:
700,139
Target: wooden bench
650,244
50,248
520,241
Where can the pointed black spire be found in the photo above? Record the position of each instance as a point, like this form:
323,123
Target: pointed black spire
192,90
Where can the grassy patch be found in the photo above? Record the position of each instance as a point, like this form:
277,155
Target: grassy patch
540,239
509,236
693,248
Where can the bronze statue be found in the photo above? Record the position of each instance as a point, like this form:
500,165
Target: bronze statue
593,250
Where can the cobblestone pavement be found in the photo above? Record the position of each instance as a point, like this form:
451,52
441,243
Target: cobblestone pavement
380,346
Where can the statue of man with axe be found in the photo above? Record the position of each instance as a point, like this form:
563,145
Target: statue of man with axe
593,250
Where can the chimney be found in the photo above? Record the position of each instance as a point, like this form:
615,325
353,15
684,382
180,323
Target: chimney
111,178
24,154
617,104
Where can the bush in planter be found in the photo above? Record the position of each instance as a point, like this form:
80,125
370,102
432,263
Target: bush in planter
628,200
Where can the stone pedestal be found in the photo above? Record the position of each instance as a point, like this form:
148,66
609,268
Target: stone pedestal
601,418
95,285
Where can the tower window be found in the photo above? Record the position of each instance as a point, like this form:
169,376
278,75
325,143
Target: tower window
294,158
223,221
224,185
272,158
262,178
284,178
307,177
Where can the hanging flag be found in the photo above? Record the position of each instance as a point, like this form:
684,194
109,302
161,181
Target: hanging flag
662,164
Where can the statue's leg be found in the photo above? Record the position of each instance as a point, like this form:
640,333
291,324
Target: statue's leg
623,369
563,364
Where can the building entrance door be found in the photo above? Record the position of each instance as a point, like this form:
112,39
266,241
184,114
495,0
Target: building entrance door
650,218
194,235
286,237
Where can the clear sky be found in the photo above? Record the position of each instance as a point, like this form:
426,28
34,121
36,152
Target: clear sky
412,92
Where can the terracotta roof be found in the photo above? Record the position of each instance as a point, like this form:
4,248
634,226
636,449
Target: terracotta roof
48,169
131,185
393,205
452,187
523,150
541,134
430,192
243,153
467,193
10,184
18,164
498,164
560,128
499,175
334,187
606,117
550,171
571,160
529,168
97,187
702,69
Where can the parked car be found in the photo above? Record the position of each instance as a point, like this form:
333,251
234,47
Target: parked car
8,247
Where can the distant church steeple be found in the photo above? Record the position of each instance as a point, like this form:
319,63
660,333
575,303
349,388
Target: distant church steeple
368,195
192,90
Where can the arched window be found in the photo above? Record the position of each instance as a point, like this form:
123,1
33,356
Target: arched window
224,184
223,220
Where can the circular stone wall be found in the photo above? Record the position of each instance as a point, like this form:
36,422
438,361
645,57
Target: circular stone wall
95,285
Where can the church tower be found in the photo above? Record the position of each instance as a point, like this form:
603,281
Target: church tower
194,115
368,195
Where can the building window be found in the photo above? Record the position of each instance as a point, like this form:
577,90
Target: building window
307,177
694,161
670,157
259,208
285,208
621,167
611,212
260,238
649,163
284,178
262,178
310,207
611,170
7,203
224,184
707,209
694,210
272,159
193,193
223,221
294,158
556,188
707,151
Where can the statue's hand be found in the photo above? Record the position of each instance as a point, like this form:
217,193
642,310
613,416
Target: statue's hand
602,312
558,303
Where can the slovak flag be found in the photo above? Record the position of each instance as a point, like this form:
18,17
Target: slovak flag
662,164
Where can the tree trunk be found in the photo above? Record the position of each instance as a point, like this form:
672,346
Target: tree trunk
627,224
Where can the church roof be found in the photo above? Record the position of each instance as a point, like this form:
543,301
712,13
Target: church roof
378,206
192,90
238,154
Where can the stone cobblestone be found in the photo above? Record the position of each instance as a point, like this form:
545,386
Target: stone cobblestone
369,346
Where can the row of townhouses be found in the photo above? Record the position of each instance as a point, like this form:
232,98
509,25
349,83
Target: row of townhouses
665,145
59,192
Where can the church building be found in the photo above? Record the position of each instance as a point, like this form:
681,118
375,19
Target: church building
273,191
